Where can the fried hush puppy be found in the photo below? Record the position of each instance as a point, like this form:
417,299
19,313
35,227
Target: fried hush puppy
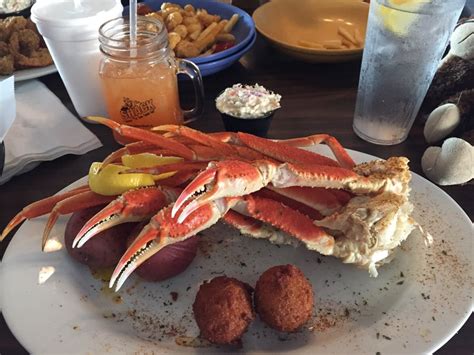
284,298
223,310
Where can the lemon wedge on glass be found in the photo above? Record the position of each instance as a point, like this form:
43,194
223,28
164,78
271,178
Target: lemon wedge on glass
398,15
148,160
108,181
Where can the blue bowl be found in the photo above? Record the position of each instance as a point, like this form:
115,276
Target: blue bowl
221,64
244,30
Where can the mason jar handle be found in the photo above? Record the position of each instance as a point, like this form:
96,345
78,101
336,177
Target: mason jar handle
190,69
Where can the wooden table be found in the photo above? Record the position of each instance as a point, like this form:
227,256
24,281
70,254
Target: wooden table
316,98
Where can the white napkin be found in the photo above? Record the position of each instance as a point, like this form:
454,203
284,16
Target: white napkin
7,105
43,130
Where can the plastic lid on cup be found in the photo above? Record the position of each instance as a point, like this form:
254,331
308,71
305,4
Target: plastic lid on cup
63,19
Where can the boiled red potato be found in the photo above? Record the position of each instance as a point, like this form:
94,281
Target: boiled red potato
169,261
103,250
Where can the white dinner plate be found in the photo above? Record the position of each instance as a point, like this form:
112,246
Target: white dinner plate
415,305
32,73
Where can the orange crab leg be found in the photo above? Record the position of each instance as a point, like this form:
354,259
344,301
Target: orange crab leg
71,204
146,136
282,152
198,136
132,206
342,196
290,221
178,179
39,208
340,153
221,179
160,169
287,201
245,224
132,148
325,201
219,148
163,230
260,144
233,178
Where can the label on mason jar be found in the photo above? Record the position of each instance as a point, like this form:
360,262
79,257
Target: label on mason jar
134,109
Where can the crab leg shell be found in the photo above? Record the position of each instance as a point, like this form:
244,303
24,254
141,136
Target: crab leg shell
146,136
320,199
282,152
132,206
178,179
163,230
288,220
132,148
237,178
39,208
245,224
325,176
275,195
199,137
340,153
71,204
160,169
220,148
226,178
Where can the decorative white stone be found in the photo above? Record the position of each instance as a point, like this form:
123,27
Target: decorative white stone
441,122
462,41
451,164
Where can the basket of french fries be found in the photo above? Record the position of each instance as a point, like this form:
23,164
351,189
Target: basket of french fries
209,33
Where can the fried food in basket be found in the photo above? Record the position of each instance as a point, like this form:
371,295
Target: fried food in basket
194,32
21,46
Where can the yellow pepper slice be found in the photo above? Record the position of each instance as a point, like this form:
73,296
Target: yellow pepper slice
148,160
109,182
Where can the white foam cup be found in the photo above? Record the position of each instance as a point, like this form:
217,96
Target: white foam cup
71,34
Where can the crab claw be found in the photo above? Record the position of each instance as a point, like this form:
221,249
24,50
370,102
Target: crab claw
223,179
162,231
198,185
132,206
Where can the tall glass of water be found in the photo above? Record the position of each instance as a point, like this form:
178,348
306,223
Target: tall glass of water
404,44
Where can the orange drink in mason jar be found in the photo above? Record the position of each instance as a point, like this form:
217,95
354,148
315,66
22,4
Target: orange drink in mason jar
139,81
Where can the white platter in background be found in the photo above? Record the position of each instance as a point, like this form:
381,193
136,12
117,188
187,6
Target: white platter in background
32,73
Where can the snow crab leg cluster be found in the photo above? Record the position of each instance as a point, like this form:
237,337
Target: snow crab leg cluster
267,189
